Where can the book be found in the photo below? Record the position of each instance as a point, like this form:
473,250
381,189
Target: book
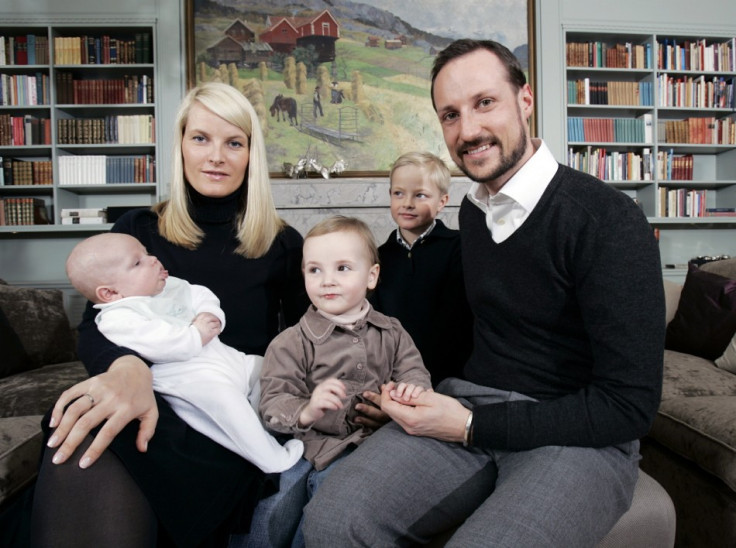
83,212
83,220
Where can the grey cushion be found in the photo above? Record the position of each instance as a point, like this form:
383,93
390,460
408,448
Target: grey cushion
38,318
34,392
20,448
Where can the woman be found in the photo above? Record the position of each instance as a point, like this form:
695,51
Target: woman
160,478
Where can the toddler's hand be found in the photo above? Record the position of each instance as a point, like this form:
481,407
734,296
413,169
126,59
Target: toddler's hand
405,393
328,395
208,325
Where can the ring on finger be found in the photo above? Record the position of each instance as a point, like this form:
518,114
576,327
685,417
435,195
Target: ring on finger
91,399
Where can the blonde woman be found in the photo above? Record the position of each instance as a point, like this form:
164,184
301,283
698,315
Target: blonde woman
161,478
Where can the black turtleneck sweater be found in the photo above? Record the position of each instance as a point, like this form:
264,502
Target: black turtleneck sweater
251,291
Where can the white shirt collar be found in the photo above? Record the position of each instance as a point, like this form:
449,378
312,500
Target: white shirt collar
527,185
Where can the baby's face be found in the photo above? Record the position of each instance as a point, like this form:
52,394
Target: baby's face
338,272
139,274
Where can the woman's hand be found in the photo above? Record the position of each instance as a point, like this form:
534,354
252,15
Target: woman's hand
371,415
118,396
431,414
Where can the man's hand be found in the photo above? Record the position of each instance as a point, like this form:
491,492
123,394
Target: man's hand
431,414
118,396
327,396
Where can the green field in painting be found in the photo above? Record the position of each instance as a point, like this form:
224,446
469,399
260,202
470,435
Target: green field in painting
396,116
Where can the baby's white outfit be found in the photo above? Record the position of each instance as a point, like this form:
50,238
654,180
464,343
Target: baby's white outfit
214,388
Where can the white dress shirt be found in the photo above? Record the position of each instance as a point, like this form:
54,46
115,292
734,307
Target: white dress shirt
507,210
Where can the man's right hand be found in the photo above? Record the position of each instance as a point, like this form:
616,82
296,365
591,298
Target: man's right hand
120,395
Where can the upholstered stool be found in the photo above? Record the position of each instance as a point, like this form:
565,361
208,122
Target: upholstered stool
649,523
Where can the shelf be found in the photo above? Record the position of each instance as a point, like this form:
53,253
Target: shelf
126,72
710,168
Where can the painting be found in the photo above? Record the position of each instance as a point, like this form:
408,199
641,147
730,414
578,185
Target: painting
343,86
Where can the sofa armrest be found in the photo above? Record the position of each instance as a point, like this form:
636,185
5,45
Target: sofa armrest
672,292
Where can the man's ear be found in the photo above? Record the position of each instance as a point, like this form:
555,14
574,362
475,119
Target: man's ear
373,276
107,294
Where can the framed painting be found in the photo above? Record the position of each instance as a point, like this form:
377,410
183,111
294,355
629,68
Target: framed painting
343,86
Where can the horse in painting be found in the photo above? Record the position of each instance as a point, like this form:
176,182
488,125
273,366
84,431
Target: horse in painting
283,107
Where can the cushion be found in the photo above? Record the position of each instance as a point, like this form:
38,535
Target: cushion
686,375
37,316
14,358
35,392
702,430
705,320
20,448
722,267
728,360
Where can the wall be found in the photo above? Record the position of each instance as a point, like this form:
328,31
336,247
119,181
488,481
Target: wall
39,261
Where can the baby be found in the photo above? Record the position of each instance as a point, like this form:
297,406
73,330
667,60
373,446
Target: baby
175,325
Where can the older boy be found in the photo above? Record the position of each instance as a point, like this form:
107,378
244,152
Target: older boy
421,269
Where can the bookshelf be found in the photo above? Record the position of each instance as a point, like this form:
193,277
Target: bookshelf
653,115
77,123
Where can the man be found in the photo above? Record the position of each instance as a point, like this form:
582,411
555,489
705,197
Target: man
538,447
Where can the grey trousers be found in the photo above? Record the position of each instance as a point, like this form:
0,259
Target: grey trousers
400,490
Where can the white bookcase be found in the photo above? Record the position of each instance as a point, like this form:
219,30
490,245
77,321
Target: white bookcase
101,144
641,111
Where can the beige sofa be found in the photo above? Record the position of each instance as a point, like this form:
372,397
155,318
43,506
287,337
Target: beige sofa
691,449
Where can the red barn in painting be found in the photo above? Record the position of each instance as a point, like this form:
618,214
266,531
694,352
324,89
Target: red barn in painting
320,31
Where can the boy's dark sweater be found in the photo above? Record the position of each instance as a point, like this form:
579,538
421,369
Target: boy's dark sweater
570,311
423,288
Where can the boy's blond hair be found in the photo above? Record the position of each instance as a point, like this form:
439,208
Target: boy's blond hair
436,170
92,262
341,223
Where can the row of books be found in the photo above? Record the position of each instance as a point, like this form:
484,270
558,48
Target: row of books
84,216
103,50
673,167
113,129
130,89
101,170
689,92
587,92
612,166
23,211
601,54
702,131
25,172
697,55
28,49
24,90
24,130
610,130
683,202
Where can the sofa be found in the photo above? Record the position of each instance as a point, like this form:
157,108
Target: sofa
691,448
37,362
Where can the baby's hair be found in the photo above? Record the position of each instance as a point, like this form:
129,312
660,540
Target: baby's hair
436,170
341,223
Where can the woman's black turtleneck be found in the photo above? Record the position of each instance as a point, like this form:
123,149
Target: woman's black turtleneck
252,292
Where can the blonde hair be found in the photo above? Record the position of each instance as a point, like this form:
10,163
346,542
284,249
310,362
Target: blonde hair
341,223
436,170
258,223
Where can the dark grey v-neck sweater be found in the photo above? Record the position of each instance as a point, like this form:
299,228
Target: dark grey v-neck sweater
570,311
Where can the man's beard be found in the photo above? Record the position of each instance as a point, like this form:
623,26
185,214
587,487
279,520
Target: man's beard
507,162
